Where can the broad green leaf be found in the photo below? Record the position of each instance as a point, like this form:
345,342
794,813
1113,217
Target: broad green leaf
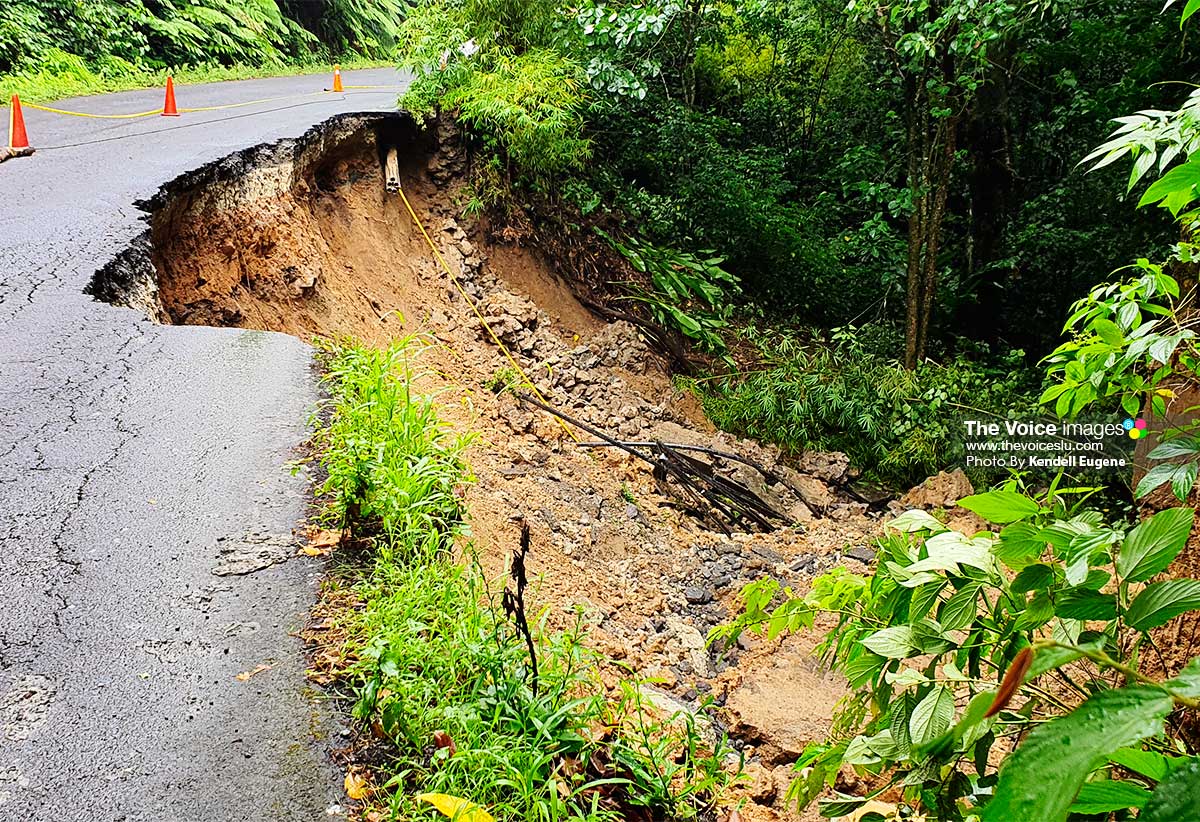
1150,547
1000,506
1108,331
1175,189
923,598
1177,797
840,806
905,678
930,637
864,750
950,549
1150,764
1185,446
1183,481
901,711
1108,795
1032,578
1081,603
1037,613
932,717
862,670
1161,602
959,610
896,642
1041,778
1020,544
916,520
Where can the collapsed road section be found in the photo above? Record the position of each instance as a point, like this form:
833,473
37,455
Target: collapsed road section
308,237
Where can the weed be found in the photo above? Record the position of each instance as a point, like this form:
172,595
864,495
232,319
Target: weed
505,378
689,293
627,494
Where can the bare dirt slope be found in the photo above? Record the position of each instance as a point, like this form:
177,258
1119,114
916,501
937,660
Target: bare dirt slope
313,245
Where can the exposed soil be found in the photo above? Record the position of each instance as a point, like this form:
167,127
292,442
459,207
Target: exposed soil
302,238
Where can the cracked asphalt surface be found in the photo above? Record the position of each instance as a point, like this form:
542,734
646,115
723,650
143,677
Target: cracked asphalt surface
130,454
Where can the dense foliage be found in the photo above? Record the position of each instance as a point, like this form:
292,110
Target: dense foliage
787,139
846,391
113,38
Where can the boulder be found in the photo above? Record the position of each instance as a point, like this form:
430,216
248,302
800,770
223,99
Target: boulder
941,490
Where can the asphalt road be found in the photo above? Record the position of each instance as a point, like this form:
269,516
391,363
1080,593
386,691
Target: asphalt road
131,454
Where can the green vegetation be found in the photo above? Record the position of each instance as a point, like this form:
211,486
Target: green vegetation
690,294
441,671
1051,607
847,391
893,161
61,75
57,48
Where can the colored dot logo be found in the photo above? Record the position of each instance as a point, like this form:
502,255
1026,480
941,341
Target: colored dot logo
1136,428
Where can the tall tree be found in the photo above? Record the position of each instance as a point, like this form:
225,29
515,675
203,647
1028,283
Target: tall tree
939,53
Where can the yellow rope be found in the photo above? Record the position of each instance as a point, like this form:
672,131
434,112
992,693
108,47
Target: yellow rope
442,260
198,108
94,116
253,102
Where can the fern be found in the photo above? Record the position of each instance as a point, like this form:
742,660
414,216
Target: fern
848,394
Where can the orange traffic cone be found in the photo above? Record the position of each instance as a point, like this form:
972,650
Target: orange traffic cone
169,109
337,78
17,138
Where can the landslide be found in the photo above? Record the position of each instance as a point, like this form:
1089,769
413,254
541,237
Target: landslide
302,237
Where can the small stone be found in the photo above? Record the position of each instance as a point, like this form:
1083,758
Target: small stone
697,596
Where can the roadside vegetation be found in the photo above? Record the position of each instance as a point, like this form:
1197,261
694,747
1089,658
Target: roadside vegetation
52,49
475,716
1022,673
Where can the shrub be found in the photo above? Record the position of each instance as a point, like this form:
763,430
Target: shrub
958,649
848,393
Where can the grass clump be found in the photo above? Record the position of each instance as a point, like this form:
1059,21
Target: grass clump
440,673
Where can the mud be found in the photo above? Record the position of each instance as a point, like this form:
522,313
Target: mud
301,237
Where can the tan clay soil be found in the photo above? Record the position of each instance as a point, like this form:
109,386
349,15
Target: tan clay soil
325,251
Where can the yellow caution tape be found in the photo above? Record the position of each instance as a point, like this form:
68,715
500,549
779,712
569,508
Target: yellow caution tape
442,260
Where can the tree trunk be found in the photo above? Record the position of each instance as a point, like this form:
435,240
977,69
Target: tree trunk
933,231
916,225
